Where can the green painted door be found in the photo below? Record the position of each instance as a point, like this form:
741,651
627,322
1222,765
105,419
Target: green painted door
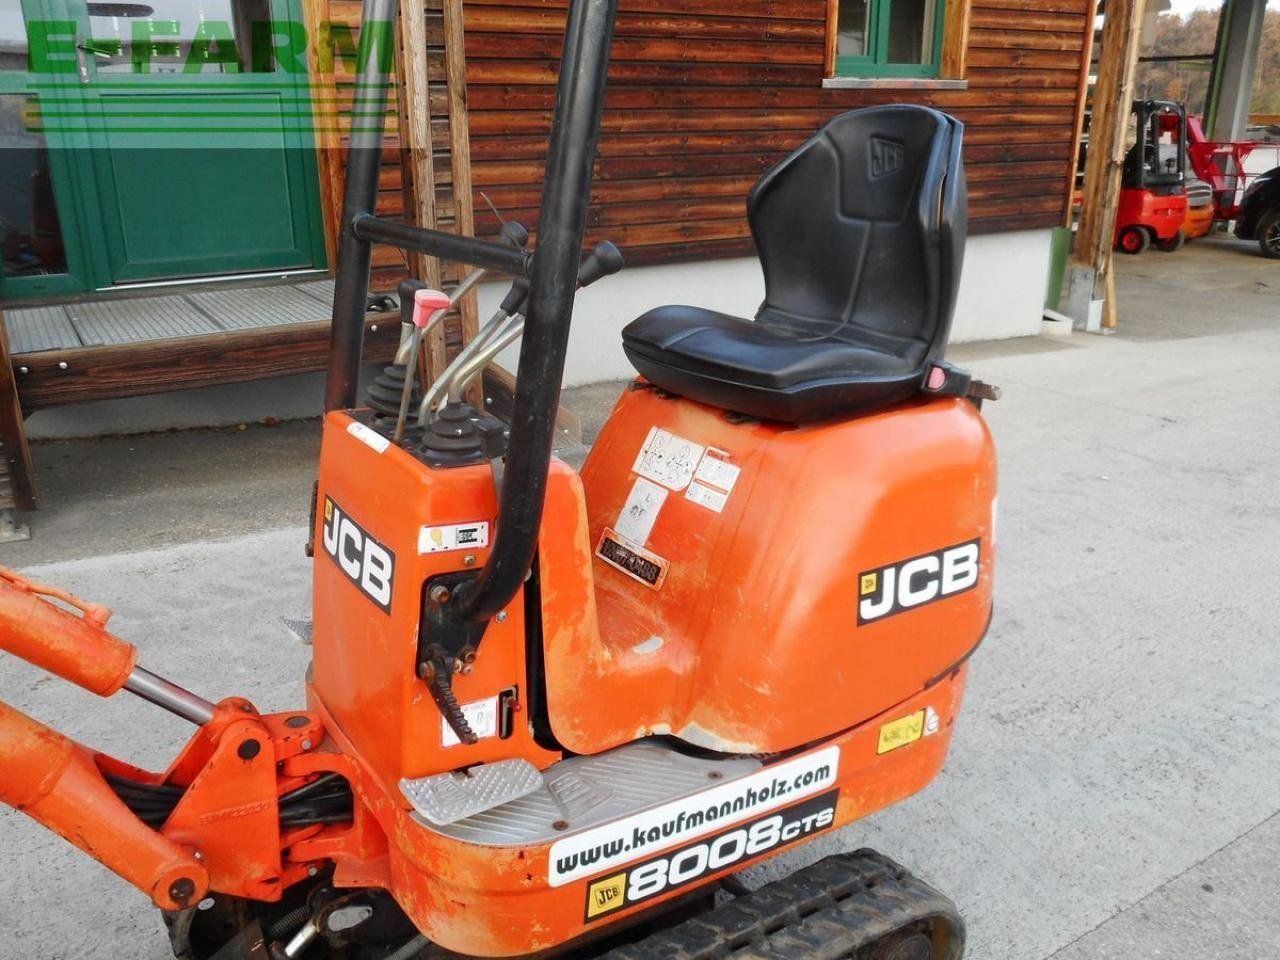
44,248
190,125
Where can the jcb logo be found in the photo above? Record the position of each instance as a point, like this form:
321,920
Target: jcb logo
886,156
366,562
912,583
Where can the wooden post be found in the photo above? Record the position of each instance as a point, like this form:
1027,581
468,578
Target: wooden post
1082,100
1112,103
13,433
455,69
418,164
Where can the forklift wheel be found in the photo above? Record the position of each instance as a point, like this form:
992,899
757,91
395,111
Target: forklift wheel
1269,234
1134,240
1173,244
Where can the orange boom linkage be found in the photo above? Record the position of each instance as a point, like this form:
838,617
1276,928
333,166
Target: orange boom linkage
167,834
553,713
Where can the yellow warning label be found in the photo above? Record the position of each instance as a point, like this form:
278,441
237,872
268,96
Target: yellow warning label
901,732
869,583
605,895
328,509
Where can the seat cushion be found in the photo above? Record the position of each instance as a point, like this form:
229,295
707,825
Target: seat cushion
764,371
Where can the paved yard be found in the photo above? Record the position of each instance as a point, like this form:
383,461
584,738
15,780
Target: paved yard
1114,784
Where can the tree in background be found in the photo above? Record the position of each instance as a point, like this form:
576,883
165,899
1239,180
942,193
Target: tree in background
1188,80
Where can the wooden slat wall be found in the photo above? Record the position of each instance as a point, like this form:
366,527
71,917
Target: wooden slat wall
704,95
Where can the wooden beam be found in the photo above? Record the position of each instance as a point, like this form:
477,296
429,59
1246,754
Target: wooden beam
157,366
1082,99
1112,103
455,70
831,38
13,432
955,39
417,163
324,110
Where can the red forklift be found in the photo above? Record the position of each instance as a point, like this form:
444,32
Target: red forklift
1250,200
1153,201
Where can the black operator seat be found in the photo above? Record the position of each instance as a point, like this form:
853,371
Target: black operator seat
861,236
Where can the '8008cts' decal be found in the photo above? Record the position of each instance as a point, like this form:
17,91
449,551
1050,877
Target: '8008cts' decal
721,851
633,838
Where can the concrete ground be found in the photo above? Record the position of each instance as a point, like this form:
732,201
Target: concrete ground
1114,785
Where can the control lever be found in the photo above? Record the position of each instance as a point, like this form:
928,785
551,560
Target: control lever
512,233
427,306
505,327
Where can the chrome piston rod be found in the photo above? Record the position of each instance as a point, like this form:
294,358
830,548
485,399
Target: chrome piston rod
156,689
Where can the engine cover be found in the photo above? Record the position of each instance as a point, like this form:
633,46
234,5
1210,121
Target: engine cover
759,586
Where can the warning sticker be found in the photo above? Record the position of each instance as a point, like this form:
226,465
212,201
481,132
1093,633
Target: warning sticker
370,438
713,480
636,520
482,715
706,496
454,536
715,470
668,459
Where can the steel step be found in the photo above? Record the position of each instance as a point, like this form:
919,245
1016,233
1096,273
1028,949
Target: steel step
582,792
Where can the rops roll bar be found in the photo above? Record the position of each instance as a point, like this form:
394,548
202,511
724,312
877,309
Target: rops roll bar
551,269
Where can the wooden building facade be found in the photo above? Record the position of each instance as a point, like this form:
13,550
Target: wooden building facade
705,95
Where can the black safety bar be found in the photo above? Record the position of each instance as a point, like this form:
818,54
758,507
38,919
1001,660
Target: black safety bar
552,271
566,188
447,246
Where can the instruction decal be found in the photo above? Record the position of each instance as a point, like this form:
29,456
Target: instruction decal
639,513
453,536
713,480
668,459
365,562
369,437
632,559
914,582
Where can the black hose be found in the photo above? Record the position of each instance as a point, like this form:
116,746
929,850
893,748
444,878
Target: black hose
327,799
289,923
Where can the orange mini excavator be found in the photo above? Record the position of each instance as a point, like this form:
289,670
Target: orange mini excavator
554,713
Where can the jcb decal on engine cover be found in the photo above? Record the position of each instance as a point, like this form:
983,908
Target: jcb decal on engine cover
365,561
912,583
617,843
719,852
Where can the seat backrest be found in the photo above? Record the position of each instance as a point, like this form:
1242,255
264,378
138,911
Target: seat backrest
861,232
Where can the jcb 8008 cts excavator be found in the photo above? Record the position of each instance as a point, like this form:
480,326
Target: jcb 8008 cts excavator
553,713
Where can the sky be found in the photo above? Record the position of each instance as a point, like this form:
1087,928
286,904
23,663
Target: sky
1183,7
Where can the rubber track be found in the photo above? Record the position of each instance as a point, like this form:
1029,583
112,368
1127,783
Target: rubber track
828,911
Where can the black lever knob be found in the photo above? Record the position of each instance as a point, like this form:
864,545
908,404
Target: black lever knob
514,233
604,259
408,287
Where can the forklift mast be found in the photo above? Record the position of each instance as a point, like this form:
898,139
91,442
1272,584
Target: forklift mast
1151,165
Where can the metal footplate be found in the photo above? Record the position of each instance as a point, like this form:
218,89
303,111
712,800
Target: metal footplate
847,907
449,797
568,796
